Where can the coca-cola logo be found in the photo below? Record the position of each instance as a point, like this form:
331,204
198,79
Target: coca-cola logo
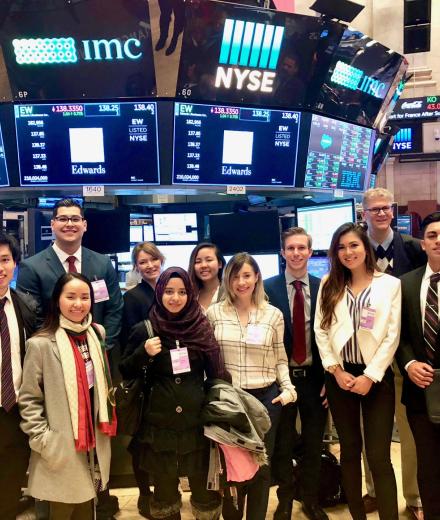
412,105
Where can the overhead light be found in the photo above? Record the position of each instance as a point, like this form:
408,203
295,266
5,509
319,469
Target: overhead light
307,197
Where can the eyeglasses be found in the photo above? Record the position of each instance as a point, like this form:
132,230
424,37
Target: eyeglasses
64,219
376,211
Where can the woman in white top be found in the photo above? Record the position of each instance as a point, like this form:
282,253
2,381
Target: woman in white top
357,328
205,270
250,333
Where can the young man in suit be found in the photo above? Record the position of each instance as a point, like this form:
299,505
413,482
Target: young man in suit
294,293
396,254
38,274
418,355
17,323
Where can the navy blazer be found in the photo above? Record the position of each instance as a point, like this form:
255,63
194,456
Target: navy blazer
38,275
412,342
276,290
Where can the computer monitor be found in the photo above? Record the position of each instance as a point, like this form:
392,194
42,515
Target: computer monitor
175,227
87,143
322,220
4,177
404,224
215,144
339,155
177,255
269,264
318,266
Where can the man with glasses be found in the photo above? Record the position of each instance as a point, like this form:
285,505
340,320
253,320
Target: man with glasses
38,274
396,254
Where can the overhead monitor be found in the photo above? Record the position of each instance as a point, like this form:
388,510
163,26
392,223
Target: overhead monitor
78,50
339,155
87,143
108,231
322,220
269,264
177,255
175,227
215,144
4,177
237,54
252,231
318,266
361,73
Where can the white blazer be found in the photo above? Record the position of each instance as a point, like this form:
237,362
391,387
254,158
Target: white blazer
377,345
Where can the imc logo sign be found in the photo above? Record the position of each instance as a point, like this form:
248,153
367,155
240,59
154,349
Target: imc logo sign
43,51
355,79
403,140
246,48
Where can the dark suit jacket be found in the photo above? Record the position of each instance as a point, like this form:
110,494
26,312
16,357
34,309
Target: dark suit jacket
408,254
412,343
38,275
25,313
276,290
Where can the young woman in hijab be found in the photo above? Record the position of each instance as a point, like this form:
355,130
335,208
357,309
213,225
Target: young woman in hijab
205,269
357,329
250,332
177,357
65,404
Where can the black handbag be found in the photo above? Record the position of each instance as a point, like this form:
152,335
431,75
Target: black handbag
130,397
432,397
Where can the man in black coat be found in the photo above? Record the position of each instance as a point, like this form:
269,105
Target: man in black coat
17,323
296,288
418,355
396,254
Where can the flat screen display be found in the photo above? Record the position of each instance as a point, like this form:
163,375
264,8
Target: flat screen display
87,143
339,155
269,264
409,139
216,144
108,231
253,231
238,54
4,177
359,78
404,224
177,255
175,227
78,50
318,266
136,234
322,220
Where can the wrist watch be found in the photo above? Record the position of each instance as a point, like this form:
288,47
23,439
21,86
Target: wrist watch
332,368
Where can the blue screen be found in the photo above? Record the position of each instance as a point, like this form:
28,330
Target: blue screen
216,144
318,266
87,143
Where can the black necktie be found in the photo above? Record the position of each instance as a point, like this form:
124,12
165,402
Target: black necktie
7,385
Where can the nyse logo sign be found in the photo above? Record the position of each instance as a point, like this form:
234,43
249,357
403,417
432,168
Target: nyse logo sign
44,51
246,48
355,79
403,140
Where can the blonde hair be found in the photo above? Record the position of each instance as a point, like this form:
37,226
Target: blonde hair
376,192
234,265
149,248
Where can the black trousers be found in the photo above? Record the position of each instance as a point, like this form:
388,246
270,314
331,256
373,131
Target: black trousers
313,418
61,511
14,460
427,439
167,7
377,409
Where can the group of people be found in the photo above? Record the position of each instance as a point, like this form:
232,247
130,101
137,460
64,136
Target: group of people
292,344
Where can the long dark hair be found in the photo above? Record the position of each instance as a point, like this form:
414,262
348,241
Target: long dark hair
196,282
52,319
339,276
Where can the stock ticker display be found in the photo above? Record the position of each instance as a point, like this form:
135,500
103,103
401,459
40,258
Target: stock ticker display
87,143
216,144
339,155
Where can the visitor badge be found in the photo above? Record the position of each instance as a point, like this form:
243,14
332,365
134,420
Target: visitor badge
255,334
100,291
180,360
368,315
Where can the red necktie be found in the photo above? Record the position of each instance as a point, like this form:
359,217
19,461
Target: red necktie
299,352
71,261
7,385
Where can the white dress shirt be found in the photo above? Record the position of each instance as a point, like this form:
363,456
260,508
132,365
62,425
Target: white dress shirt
15,344
64,256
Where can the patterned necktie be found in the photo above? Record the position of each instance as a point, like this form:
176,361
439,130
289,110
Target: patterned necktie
71,261
7,385
299,353
431,319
